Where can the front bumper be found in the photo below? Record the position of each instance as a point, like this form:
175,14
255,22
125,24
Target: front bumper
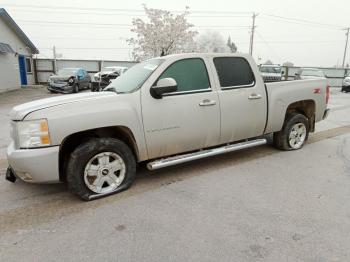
39,165
66,89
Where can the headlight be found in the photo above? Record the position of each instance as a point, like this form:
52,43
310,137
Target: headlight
33,133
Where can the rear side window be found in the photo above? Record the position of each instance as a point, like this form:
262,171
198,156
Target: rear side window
234,72
190,75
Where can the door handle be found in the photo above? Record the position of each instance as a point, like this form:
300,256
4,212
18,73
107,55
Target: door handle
254,96
207,102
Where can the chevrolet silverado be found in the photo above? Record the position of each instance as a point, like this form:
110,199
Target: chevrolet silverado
164,111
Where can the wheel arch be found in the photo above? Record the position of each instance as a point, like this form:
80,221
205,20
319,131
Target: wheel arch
71,142
306,108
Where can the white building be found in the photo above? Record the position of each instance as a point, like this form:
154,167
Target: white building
16,52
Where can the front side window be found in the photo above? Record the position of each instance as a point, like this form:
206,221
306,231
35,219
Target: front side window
190,74
234,72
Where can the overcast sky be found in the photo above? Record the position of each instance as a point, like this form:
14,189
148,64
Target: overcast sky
279,39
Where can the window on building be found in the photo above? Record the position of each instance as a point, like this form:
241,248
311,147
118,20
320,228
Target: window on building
190,75
234,72
29,64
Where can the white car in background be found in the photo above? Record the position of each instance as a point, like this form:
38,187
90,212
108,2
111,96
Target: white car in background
271,73
110,70
309,73
105,77
346,84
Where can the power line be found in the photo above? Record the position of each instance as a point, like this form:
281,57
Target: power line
301,21
111,24
88,48
267,44
138,11
119,9
129,14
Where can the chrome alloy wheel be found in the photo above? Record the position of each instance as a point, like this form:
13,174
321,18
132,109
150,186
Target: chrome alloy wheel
104,173
297,136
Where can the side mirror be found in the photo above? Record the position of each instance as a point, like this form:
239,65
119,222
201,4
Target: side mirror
282,72
163,86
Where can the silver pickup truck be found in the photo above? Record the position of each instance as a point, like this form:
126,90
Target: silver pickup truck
165,111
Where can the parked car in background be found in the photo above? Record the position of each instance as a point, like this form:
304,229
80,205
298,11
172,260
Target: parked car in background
107,74
271,73
69,80
346,84
166,111
309,73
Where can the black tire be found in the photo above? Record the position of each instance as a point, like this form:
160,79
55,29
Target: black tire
86,151
281,138
75,88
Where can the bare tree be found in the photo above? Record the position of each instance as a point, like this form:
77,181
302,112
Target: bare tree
288,64
163,34
211,42
231,45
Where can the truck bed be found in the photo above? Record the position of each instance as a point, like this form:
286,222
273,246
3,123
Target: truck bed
282,94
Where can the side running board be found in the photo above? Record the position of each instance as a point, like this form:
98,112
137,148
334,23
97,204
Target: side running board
179,159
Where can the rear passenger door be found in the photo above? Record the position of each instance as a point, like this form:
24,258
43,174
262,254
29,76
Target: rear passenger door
243,101
186,120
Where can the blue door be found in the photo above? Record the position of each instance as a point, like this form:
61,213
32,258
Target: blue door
22,69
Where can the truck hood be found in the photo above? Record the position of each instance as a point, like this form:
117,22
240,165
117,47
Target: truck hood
59,78
19,112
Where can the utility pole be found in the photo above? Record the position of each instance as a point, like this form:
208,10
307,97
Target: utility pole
252,34
54,60
346,44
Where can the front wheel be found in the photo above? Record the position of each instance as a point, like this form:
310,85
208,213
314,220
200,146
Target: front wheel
294,133
75,88
100,167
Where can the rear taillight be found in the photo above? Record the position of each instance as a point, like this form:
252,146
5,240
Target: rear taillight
328,93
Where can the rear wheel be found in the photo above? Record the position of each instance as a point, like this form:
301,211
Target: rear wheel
100,167
294,133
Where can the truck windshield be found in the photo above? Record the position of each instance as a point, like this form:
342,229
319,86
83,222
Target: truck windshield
134,78
270,69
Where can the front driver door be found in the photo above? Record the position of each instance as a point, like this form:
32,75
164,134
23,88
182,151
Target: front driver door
186,120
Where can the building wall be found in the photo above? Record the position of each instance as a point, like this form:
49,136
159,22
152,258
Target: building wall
9,68
9,72
45,66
